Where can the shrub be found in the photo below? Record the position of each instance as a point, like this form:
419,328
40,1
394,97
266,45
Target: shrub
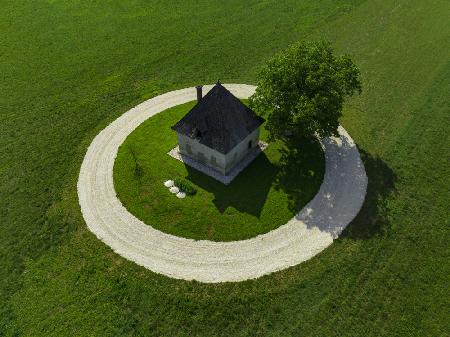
185,186
138,169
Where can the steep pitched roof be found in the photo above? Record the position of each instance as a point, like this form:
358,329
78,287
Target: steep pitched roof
219,121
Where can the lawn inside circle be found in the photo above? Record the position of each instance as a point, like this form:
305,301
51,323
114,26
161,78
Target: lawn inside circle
264,196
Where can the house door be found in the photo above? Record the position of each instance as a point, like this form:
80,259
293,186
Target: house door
213,161
250,143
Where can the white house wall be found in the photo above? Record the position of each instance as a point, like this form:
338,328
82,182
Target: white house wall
223,162
196,148
241,150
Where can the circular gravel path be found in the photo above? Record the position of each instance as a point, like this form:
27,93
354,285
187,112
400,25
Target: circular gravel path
339,199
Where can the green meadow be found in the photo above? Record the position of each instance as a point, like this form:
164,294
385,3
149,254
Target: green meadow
69,68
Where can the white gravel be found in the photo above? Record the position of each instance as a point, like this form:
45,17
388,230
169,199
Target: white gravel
339,199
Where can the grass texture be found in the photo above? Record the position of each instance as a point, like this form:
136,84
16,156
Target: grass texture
69,68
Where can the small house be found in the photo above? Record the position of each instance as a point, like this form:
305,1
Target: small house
219,131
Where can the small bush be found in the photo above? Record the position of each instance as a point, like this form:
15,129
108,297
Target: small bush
138,169
185,186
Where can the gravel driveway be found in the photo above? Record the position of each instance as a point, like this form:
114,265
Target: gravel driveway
338,201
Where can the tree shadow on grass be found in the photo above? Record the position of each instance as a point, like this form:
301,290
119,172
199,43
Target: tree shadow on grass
246,193
372,219
301,170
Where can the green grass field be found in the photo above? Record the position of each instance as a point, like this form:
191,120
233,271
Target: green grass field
69,68
269,192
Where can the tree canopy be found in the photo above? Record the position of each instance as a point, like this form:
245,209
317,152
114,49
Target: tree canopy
301,90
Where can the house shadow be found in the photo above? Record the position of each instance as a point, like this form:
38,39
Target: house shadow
372,219
246,193
298,171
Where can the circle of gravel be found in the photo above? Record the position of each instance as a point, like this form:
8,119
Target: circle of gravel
339,199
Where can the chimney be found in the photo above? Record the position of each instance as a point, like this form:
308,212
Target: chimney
199,92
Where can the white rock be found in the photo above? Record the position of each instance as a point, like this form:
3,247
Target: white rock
174,189
181,195
169,183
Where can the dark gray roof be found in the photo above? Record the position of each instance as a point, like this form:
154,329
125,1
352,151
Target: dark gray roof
219,121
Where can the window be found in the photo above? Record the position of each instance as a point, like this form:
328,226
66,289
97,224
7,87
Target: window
250,143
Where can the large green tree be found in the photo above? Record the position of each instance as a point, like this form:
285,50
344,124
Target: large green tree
301,90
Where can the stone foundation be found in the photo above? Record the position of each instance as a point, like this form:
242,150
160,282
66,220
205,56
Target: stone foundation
225,179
